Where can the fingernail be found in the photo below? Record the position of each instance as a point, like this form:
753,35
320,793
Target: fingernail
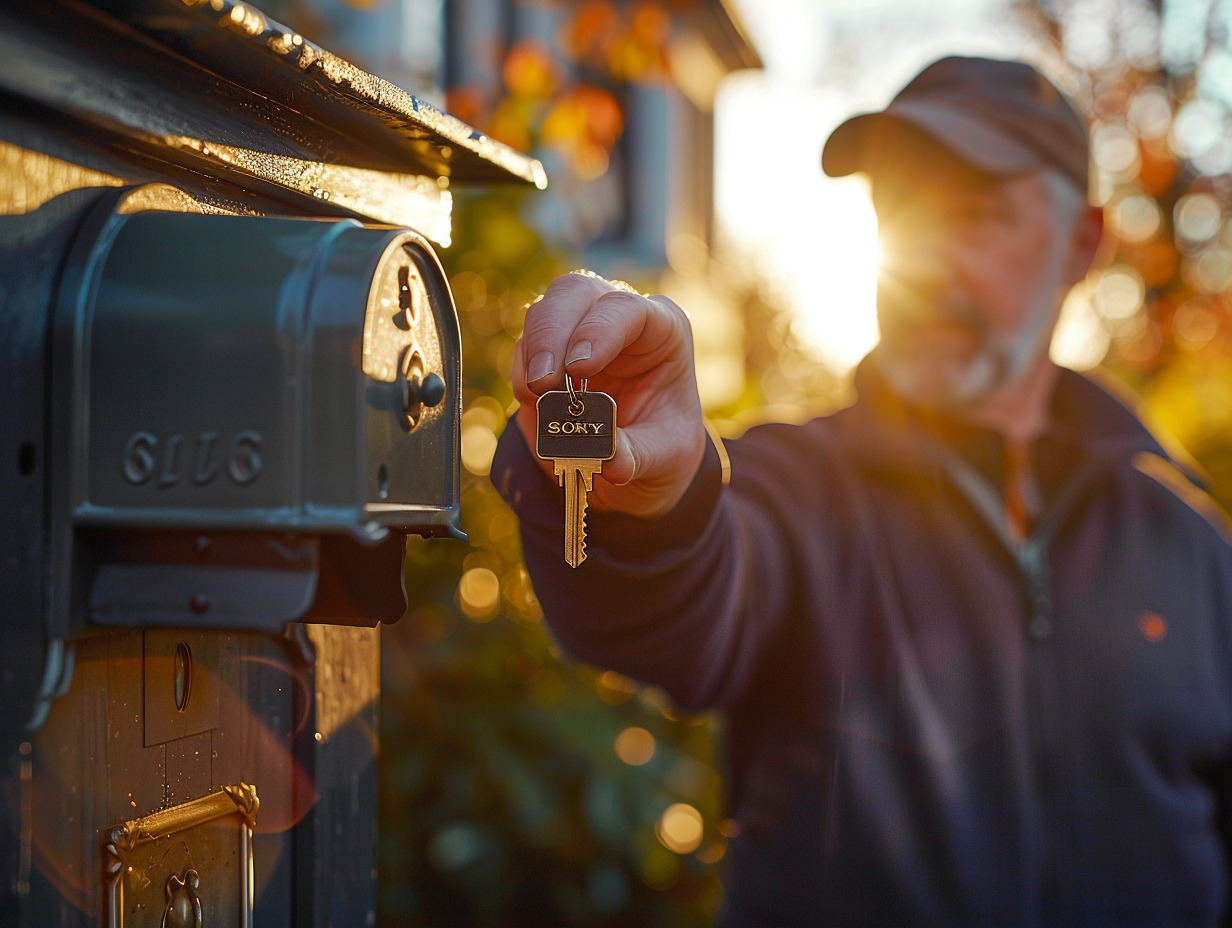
579,352
540,366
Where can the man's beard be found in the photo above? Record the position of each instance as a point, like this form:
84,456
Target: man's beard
969,363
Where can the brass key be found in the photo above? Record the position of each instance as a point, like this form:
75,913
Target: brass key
577,432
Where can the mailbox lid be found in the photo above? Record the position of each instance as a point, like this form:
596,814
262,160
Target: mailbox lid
409,417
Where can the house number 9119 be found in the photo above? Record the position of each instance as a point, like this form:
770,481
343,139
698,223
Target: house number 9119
145,456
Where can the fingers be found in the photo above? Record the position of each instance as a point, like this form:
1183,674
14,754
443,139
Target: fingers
550,322
641,350
583,324
637,331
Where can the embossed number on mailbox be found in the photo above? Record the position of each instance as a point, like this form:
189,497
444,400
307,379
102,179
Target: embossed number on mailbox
145,456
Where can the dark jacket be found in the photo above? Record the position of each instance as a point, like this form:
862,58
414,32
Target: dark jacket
928,723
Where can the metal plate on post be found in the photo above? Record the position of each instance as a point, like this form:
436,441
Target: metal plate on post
190,865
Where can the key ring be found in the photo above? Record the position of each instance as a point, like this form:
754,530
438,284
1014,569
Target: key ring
576,405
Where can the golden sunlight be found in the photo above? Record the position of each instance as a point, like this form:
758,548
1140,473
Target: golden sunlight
836,294
813,236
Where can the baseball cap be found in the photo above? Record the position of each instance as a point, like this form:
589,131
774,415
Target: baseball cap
1002,117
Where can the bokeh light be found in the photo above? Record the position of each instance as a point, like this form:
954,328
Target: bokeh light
635,746
530,70
1115,151
1119,292
1211,272
479,425
479,594
615,688
1197,217
1195,324
1135,218
680,828
1197,127
1150,112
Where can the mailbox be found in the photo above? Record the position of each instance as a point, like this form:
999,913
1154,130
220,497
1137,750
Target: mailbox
230,386
249,412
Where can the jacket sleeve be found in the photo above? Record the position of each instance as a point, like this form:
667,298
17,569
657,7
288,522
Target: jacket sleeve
689,601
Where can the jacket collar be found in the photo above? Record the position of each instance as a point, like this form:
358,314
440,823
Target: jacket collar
883,431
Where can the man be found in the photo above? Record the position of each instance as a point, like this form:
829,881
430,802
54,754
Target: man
972,635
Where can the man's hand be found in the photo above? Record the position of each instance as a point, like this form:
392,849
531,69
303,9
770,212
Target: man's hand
640,351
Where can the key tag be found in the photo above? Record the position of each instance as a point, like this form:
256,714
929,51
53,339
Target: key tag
575,424
576,431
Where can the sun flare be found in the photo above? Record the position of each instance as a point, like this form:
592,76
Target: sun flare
812,235
836,291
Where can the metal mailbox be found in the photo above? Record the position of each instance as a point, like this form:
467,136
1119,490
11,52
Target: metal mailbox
219,376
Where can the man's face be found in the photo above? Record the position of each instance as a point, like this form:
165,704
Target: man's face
974,268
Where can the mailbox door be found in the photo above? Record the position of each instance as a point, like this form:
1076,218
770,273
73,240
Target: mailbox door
234,771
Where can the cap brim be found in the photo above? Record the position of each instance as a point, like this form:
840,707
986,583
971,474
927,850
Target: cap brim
973,140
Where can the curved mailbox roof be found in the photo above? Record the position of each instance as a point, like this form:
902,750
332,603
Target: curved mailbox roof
236,41
222,93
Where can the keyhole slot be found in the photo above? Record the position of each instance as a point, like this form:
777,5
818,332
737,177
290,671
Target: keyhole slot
183,676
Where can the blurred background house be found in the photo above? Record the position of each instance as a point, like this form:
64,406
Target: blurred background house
618,101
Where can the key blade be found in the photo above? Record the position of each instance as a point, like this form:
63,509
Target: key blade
575,518
579,520
570,477
576,475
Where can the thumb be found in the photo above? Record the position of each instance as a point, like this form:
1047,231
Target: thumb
662,462
623,467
